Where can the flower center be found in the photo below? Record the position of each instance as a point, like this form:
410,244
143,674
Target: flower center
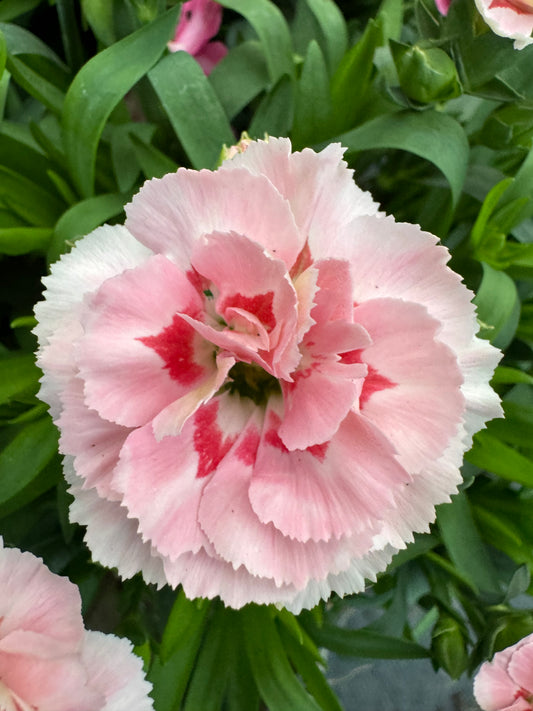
250,380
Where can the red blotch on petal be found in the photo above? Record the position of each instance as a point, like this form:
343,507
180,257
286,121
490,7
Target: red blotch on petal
303,261
175,345
318,450
516,6
247,449
209,444
259,306
374,381
274,440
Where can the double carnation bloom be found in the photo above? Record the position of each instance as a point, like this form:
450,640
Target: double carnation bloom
263,384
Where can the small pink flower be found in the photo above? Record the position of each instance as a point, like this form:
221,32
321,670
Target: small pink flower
48,660
509,18
199,22
506,683
443,6
263,384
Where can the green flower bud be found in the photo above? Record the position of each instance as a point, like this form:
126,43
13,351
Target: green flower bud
425,75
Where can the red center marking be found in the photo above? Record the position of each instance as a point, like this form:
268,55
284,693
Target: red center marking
374,381
175,345
259,306
303,261
208,441
247,448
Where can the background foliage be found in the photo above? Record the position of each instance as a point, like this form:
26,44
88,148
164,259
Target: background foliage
436,114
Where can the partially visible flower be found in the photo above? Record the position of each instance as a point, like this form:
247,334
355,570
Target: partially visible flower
263,384
509,18
199,22
506,683
48,660
443,6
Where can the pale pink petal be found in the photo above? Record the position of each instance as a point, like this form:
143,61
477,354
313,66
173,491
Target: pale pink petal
136,356
199,21
104,253
417,402
334,300
443,6
95,443
122,682
211,55
111,536
308,180
248,280
343,488
508,19
521,665
162,482
171,214
494,689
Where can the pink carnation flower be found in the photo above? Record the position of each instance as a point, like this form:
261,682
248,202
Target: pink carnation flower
263,384
506,683
199,22
509,18
48,660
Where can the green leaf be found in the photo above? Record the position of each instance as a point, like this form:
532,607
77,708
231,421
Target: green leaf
21,41
448,646
28,199
192,107
18,376
306,665
273,32
186,618
21,240
274,115
464,544
100,85
312,108
275,679
240,77
36,84
494,456
70,33
352,79
489,205
9,9
331,21
99,15
505,375
153,162
364,643
25,457
3,54
431,135
82,218
498,307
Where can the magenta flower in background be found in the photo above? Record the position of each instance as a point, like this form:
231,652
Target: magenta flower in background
263,384
48,660
199,22
443,6
506,683
509,18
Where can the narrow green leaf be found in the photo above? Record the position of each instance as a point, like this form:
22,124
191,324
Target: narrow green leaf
312,108
431,135
99,15
186,617
352,79
21,240
18,376
242,692
505,375
10,9
365,643
26,455
498,307
331,21
82,218
274,115
21,41
464,544
100,85
489,205
494,456
3,53
449,647
305,664
192,107
240,77
153,162
29,200
275,679
21,153
36,84
273,32
70,33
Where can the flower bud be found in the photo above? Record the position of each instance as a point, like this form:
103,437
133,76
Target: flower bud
425,75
